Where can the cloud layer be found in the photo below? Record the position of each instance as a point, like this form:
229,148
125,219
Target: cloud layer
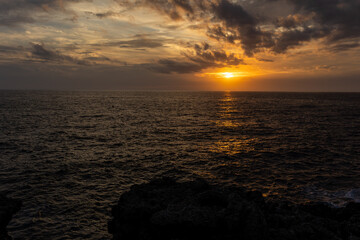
332,21
174,37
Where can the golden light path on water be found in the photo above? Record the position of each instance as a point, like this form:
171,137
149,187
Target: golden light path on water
232,148
227,119
235,144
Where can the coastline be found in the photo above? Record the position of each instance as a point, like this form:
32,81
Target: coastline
166,209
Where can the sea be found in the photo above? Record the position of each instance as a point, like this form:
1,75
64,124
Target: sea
70,155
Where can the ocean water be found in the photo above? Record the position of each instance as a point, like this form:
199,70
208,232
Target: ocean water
70,155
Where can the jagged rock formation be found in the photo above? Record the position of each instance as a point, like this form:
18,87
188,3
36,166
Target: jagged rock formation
164,209
8,207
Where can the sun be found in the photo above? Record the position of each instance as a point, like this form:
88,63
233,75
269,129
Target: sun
227,75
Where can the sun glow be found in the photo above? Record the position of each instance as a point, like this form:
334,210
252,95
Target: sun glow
227,75
230,75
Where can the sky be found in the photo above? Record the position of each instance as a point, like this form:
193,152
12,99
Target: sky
209,45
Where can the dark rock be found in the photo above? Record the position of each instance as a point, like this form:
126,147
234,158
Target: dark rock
165,209
8,207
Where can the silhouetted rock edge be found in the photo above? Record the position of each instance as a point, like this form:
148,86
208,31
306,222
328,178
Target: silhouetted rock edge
8,207
166,209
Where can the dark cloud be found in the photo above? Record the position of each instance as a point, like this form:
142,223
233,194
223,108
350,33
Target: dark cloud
242,26
101,58
104,59
264,60
232,14
175,9
329,20
14,19
206,56
333,21
230,21
137,42
292,21
140,43
200,57
295,37
184,4
174,66
103,14
106,14
344,46
7,49
219,33
226,20
341,17
41,53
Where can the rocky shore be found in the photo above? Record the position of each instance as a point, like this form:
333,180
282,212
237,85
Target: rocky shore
8,207
166,209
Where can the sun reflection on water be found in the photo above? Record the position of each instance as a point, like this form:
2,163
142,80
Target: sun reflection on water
227,123
233,146
227,118
227,108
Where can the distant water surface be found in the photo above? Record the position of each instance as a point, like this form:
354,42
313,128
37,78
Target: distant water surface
70,155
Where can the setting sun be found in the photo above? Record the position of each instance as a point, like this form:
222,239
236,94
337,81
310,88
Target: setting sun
227,75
